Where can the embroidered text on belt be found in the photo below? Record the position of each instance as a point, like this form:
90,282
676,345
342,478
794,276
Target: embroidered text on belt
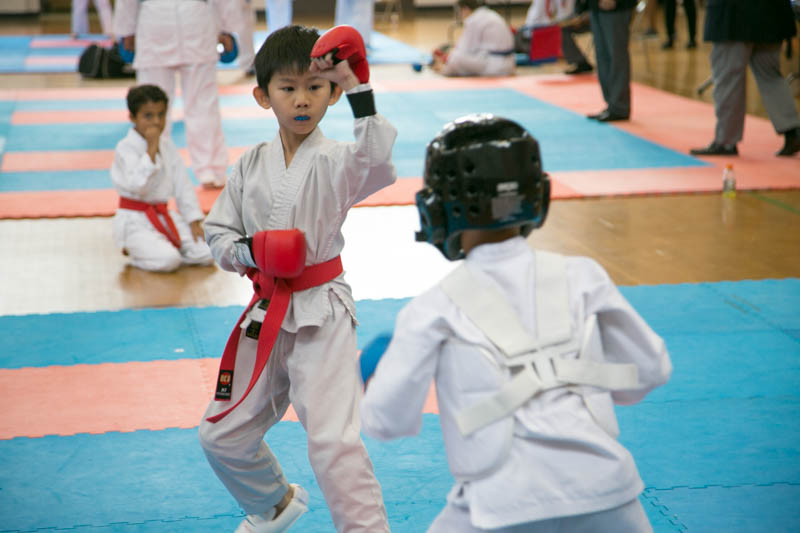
278,291
152,211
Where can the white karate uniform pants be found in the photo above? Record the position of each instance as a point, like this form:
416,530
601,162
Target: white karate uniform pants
316,370
201,115
359,14
80,16
279,14
628,518
247,51
149,249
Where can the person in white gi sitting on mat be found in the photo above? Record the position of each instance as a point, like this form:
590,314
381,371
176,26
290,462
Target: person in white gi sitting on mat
485,47
529,351
279,220
147,172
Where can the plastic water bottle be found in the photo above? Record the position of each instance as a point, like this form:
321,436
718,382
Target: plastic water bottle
728,182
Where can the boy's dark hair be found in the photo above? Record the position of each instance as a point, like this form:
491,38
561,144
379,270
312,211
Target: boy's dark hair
141,94
285,50
472,4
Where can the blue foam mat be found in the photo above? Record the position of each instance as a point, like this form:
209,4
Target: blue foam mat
718,447
418,117
743,509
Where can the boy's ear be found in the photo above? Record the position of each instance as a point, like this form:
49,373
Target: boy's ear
336,93
261,97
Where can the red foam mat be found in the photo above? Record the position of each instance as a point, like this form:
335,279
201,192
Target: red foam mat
152,395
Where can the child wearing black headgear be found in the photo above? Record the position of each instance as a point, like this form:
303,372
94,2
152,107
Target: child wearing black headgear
529,351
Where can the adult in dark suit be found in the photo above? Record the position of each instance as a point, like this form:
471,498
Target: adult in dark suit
747,32
610,21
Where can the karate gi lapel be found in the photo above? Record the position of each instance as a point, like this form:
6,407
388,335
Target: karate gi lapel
287,182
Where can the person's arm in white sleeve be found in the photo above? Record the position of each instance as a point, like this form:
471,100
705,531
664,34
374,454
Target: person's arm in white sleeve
126,14
224,224
133,169
395,397
626,337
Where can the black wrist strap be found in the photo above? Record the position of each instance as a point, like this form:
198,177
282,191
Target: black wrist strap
362,104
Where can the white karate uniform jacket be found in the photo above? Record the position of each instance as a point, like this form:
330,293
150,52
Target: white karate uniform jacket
175,32
559,461
180,36
324,180
136,176
484,31
546,12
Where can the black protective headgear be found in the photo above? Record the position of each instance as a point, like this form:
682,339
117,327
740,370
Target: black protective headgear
481,172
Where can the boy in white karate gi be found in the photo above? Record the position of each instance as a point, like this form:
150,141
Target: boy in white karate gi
173,37
279,221
528,351
485,47
147,172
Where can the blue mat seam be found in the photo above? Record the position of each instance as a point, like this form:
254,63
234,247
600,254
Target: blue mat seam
665,511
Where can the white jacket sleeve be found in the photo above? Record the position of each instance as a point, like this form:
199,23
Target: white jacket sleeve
126,13
224,224
228,14
365,166
395,397
626,337
132,169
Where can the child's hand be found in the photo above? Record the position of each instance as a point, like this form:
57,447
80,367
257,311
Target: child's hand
226,40
197,230
341,74
151,135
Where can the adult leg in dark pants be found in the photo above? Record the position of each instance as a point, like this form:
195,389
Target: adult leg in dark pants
572,53
670,7
611,31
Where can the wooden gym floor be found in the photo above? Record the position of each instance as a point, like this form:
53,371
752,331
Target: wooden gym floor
639,240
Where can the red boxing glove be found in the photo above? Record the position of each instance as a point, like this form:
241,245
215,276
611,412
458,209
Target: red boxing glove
346,43
280,253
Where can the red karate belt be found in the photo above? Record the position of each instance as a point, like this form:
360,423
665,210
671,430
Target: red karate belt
152,211
278,291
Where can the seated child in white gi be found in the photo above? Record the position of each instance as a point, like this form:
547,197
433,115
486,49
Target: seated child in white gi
485,47
279,220
147,172
528,349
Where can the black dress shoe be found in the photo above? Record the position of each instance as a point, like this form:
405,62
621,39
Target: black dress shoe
792,143
579,69
716,149
608,116
595,116
667,45
692,44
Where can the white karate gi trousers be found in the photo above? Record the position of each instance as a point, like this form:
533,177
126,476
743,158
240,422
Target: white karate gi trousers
359,14
316,370
247,51
201,115
80,16
628,518
279,14
149,249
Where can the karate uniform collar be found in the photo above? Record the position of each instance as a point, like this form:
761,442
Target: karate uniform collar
496,250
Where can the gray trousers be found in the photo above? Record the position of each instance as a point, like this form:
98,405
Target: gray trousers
729,62
611,32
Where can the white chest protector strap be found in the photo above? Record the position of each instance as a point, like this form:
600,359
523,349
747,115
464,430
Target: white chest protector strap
538,362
